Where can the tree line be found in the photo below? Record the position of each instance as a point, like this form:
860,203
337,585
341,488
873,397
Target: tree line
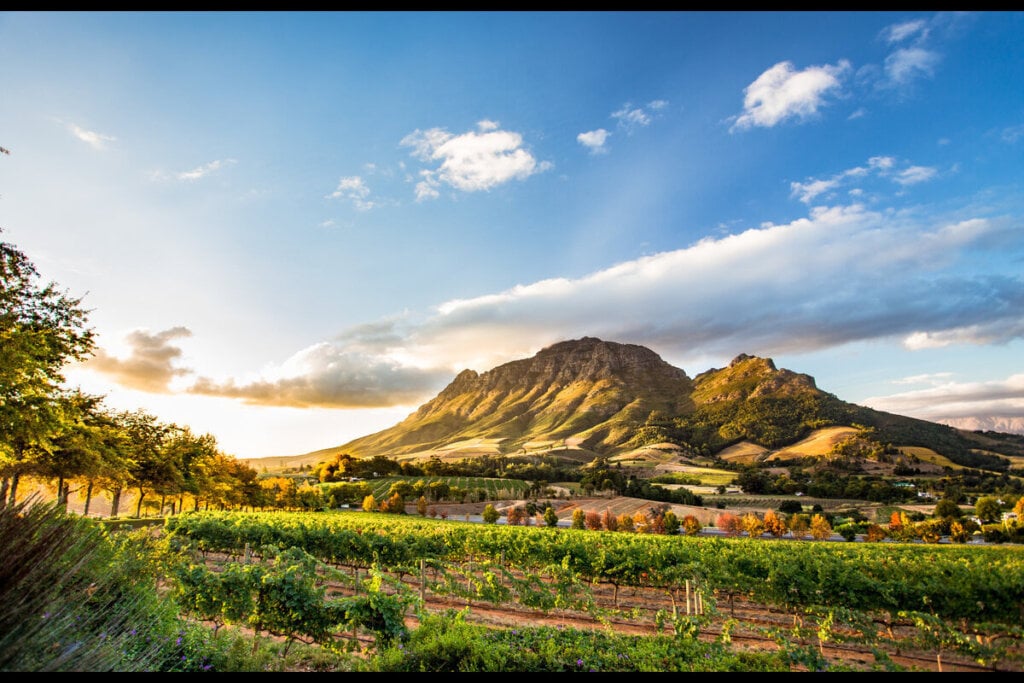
67,438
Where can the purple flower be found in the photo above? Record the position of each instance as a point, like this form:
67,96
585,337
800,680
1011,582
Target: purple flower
579,662
178,642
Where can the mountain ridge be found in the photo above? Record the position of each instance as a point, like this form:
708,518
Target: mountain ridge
594,397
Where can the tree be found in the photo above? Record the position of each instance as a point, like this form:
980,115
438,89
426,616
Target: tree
515,516
550,518
579,519
753,525
624,522
729,523
670,522
820,528
591,520
491,514
42,329
369,503
691,525
609,521
947,508
988,509
774,524
799,525
421,507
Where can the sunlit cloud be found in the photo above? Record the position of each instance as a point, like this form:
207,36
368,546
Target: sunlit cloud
326,375
594,140
782,93
471,162
630,118
915,174
150,364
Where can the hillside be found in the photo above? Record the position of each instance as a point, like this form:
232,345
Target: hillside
586,397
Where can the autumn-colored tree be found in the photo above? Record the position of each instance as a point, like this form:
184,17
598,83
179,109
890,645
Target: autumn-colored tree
592,520
820,528
656,522
624,522
641,523
421,506
609,521
799,525
876,533
729,523
516,516
550,518
369,503
752,524
691,525
958,533
1019,508
897,520
774,524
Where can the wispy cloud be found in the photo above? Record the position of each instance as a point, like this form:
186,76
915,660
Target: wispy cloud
149,365
594,140
928,378
782,93
630,118
473,161
882,166
204,170
908,64
896,33
90,137
1012,134
354,190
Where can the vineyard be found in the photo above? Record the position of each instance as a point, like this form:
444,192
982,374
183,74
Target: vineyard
363,579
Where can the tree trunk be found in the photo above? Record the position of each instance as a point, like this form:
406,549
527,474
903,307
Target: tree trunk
115,501
62,496
138,506
163,501
5,484
88,499
14,488
196,508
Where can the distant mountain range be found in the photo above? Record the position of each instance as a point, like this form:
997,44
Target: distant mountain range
590,397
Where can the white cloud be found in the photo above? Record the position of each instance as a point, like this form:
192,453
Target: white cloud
594,140
914,175
473,161
92,138
783,93
353,189
657,105
204,170
896,33
903,66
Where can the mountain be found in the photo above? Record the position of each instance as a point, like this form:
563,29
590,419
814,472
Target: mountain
588,397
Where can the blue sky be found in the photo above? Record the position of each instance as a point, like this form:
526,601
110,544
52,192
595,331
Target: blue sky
294,228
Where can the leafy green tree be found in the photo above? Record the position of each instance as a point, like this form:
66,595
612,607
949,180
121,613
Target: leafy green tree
988,509
670,522
579,519
490,514
947,508
550,518
42,329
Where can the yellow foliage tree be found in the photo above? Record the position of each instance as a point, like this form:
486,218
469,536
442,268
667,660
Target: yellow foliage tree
774,524
624,522
369,503
691,525
820,528
753,525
